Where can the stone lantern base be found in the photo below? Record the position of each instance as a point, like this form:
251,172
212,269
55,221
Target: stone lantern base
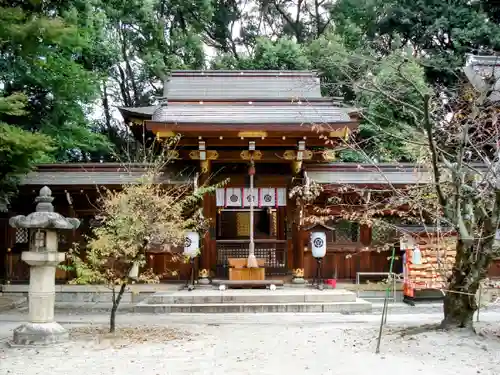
43,258
39,334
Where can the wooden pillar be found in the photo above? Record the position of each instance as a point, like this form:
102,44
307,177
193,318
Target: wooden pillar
366,258
298,247
206,255
4,246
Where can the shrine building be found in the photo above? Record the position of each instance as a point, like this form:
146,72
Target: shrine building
224,120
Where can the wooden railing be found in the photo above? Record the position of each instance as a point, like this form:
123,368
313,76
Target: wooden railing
272,251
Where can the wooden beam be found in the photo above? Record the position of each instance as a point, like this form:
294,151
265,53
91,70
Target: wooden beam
224,140
271,129
274,156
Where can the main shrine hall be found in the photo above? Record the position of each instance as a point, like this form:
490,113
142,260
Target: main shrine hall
278,120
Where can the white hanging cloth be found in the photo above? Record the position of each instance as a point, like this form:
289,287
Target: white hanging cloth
233,197
281,197
240,197
247,197
267,197
219,197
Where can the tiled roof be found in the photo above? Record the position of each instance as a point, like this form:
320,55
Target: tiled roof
146,112
480,69
237,85
370,177
372,174
307,113
89,175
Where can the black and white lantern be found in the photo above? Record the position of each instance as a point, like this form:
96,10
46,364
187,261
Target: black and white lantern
192,244
318,244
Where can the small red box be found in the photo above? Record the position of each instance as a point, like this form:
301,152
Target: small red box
332,282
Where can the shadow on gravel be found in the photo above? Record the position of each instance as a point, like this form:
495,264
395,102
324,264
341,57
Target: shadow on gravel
416,330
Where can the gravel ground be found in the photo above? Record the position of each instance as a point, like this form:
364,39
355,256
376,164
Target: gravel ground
260,344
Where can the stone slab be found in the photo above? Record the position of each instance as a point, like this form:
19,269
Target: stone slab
224,308
247,283
11,302
255,296
139,288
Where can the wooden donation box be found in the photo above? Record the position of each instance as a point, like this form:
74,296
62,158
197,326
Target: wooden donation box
238,270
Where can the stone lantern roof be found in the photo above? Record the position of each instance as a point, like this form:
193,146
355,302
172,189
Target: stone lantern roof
44,216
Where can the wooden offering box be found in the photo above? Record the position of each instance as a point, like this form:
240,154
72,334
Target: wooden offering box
238,270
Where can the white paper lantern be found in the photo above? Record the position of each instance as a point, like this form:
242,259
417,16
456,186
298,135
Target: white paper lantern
134,271
318,244
192,244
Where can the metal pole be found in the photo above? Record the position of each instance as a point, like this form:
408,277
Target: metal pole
479,301
383,319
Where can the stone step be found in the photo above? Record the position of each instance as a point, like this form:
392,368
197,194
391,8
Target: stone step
304,307
9,303
234,296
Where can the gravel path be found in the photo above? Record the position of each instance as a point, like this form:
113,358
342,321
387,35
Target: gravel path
257,344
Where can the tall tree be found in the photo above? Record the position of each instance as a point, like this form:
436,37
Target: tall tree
19,149
40,56
442,32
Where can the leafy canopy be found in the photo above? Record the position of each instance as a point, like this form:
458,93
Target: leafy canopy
19,149
41,53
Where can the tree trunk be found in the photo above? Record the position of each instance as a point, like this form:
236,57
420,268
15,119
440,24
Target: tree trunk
116,303
459,309
471,264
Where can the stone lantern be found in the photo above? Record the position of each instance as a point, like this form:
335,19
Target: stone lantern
43,259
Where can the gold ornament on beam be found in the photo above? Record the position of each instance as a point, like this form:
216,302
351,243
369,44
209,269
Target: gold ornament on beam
292,155
341,133
133,121
210,155
254,155
165,134
172,154
307,155
328,155
289,155
254,134
296,166
204,166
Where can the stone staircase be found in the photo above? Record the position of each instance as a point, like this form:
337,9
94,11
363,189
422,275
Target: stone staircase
254,301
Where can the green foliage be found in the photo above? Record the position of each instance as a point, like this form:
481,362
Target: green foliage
140,216
73,57
282,54
340,62
442,32
40,57
388,93
19,149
